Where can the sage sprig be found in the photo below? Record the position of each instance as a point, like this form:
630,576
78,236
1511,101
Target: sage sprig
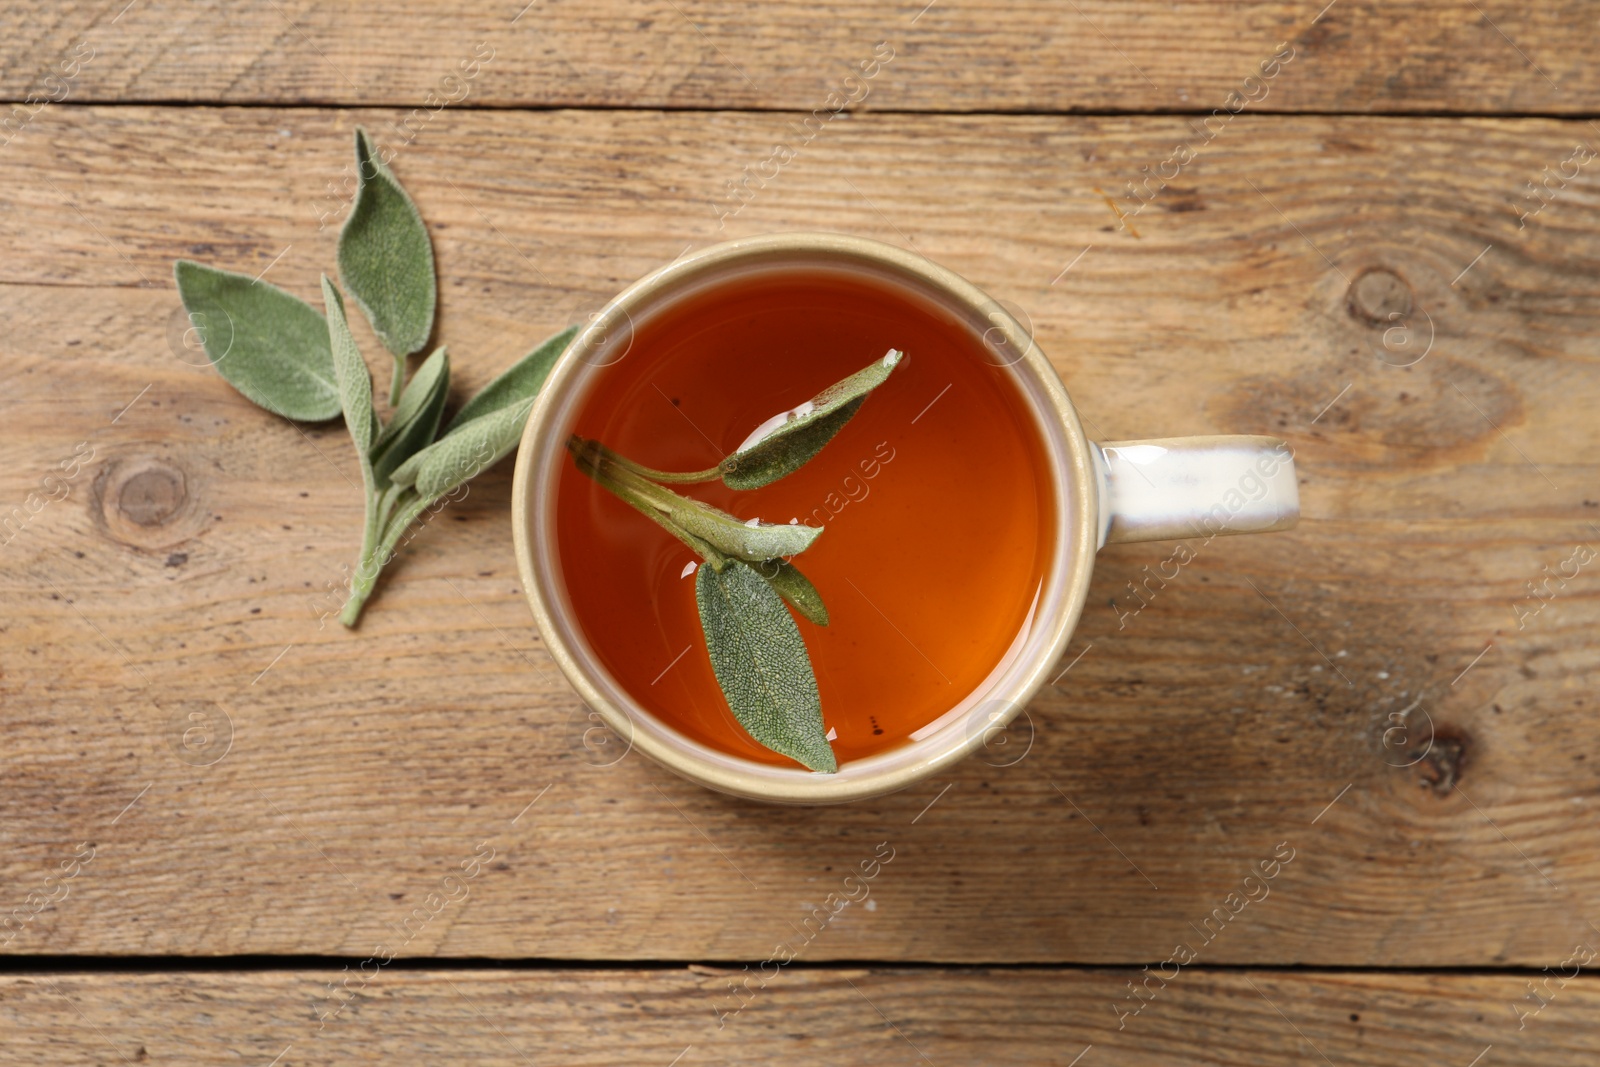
289,358
755,647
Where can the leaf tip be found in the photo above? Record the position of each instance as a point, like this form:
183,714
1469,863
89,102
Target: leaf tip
364,145
823,764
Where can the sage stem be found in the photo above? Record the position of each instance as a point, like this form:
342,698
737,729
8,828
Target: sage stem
685,478
366,575
397,384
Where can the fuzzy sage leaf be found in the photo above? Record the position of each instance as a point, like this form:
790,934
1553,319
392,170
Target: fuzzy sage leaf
269,345
521,381
415,422
761,664
795,436
386,260
464,452
350,370
486,428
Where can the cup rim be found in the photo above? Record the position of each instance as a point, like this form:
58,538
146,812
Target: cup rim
1076,505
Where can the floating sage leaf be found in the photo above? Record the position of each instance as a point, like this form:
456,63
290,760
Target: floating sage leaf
796,588
386,260
521,381
350,370
761,663
802,433
269,345
752,541
415,422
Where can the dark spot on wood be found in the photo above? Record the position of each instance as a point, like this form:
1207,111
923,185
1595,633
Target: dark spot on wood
1178,200
177,559
1445,760
152,496
1317,35
1380,296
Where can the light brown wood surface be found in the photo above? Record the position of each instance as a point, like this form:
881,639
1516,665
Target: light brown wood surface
1399,694
1246,706
1349,55
834,1016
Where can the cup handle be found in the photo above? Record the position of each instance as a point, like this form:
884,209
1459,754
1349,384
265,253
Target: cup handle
1172,487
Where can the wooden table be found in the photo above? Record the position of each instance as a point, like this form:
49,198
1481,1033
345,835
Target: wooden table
1398,694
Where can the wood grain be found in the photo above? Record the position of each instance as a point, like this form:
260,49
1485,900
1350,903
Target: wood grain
833,1016
1245,706
1350,56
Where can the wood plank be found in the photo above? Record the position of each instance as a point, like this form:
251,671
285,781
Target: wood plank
803,1017
183,569
1356,55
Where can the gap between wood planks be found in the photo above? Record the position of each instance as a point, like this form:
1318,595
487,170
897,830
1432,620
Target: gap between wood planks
1001,112
23,966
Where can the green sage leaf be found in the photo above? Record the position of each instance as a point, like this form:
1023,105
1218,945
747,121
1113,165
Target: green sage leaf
799,434
796,588
520,382
416,420
355,381
465,452
386,258
761,664
752,541
269,345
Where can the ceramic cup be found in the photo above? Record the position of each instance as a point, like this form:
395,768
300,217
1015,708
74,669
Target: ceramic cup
1113,491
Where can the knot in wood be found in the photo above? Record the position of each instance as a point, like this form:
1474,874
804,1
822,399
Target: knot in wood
153,495
1380,296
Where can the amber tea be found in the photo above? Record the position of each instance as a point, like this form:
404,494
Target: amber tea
933,499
